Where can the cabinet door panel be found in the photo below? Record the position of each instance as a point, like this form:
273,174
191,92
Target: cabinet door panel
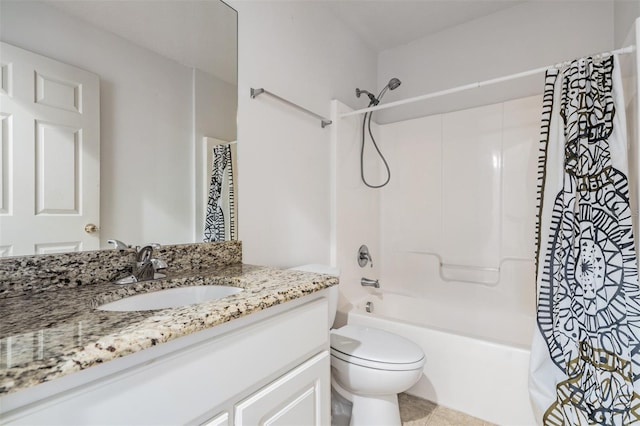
299,398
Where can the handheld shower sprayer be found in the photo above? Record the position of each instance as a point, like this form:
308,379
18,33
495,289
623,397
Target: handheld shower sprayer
392,85
373,101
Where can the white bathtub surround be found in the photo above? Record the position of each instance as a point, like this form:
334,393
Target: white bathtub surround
474,208
475,173
476,359
583,366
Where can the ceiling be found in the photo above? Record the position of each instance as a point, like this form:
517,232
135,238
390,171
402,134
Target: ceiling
199,34
384,24
182,29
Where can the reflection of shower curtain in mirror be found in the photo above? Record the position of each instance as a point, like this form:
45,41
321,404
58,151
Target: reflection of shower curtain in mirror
219,220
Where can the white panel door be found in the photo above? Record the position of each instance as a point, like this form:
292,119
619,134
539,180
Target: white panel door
49,155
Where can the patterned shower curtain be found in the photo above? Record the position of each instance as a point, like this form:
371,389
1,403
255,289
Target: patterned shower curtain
585,358
219,220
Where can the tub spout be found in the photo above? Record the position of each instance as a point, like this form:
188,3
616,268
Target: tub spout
366,282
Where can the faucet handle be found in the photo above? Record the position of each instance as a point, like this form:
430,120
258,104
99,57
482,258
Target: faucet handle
145,252
159,264
364,256
154,246
118,245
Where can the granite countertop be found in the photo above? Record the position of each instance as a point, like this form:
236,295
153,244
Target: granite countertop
47,335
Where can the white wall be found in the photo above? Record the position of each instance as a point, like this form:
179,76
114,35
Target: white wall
625,13
216,102
300,52
147,121
527,36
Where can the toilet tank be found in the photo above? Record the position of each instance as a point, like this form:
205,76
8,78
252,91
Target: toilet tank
333,291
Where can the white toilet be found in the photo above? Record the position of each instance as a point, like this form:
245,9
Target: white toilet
369,367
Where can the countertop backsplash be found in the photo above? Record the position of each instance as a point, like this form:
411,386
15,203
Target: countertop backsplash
23,275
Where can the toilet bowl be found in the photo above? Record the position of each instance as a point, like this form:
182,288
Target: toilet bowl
369,367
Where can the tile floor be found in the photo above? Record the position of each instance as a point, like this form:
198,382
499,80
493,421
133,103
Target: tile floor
415,411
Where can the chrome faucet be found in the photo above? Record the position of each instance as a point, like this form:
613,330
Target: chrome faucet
145,267
367,282
144,270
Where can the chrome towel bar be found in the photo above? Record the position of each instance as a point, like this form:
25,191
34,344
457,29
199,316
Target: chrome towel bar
323,121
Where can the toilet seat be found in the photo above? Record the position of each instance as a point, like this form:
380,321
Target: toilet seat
377,349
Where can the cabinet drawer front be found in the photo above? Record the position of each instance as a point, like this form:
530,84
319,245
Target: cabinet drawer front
183,386
300,398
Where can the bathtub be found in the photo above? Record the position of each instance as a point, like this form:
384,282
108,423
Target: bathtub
477,359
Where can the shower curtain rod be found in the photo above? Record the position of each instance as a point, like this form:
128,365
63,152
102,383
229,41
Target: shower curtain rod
475,85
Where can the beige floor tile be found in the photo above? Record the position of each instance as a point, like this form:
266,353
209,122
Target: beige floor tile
415,411
453,418
421,422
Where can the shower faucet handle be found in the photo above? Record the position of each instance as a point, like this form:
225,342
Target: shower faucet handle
364,256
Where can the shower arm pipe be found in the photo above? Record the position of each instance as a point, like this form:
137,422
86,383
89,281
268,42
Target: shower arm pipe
323,121
628,49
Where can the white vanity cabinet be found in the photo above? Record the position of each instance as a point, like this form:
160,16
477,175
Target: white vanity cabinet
297,398
271,367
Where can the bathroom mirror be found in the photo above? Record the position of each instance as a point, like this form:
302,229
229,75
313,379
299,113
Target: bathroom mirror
167,84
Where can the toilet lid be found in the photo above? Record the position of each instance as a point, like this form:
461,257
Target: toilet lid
370,347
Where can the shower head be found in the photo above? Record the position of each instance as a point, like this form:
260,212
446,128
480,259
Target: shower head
373,100
394,83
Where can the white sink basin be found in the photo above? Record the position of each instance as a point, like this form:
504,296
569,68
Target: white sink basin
170,298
